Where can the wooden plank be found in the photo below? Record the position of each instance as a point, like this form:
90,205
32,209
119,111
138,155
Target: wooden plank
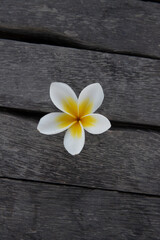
130,26
125,160
131,84
41,211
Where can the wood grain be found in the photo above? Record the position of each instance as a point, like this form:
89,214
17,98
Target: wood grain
125,160
42,212
131,84
130,26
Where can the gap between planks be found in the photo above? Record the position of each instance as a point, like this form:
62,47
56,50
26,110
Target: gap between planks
34,211
115,125
129,26
152,1
76,186
47,38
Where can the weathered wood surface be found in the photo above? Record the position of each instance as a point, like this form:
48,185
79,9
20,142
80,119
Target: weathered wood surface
130,26
33,211
126,160
131,84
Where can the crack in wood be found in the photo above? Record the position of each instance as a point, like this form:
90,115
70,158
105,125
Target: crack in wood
75,186
47,38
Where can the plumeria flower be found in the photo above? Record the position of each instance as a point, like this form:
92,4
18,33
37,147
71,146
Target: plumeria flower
78,115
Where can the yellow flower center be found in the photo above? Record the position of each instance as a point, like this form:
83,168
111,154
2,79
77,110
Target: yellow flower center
77,116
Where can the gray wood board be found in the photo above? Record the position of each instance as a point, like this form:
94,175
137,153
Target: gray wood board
125,160
131,84
130,26
44,212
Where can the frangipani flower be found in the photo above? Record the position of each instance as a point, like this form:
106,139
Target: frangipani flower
78,115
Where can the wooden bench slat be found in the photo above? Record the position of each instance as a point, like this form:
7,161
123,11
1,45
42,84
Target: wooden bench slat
131,84
118,160
121,26
41,211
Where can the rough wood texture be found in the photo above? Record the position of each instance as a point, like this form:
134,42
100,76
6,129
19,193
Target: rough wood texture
122,160
126,160
131,84
130,26
39,211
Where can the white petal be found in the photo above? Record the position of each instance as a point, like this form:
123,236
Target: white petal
74,139
53,123
64,97
90,99
95,123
